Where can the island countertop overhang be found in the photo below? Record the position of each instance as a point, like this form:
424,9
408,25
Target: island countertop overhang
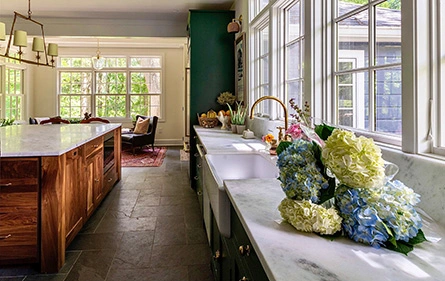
48,140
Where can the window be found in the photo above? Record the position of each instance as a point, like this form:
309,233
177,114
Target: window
125,87
261,65
258,6
14,93
367,69
294,50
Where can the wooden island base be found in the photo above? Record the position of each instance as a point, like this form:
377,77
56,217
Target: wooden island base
45,201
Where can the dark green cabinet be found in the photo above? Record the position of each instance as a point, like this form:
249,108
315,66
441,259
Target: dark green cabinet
212,66
234,258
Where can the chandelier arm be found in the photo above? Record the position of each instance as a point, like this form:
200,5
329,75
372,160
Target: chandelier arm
10,34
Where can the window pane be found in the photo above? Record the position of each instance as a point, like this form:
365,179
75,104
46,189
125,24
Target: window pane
353,100
294,25
389,101
346,6
264,34
352,35
149,62
145,82
75,83
74,106
75,62
148,105
115,62
294,91
111,83
388,34
293,61
110,105
264,62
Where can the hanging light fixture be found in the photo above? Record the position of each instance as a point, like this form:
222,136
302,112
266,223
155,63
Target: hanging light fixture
98,61
20,40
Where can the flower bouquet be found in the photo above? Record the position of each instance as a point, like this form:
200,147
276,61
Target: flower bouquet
338,184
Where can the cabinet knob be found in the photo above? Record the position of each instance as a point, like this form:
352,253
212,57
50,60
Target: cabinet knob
244,279
96,145
217,255
6,184
196,178
244,250
5,237
199,193
199,165
96,180
110,179
196,154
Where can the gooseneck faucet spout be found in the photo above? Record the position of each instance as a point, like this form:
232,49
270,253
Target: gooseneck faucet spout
277,100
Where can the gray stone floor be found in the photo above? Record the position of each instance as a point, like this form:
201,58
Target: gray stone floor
149,227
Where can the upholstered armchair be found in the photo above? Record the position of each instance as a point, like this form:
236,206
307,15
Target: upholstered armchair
142,139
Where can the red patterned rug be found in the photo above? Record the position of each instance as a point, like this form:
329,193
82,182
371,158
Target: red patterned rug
144,157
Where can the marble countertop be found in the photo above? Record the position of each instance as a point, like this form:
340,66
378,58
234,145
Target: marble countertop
287,254
216,140
48,140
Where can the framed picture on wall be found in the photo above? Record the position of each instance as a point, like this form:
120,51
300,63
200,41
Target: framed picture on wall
240,64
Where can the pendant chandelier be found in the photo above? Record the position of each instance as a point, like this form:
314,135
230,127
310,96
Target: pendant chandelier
20,40
98,61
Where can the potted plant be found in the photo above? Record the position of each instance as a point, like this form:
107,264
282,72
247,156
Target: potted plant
238,118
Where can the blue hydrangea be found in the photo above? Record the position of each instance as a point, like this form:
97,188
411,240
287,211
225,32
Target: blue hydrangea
300,177
371,216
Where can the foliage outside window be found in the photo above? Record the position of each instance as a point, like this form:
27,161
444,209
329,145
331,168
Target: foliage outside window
125,87
14,94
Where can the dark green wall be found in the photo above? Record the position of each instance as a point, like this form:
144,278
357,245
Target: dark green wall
212,66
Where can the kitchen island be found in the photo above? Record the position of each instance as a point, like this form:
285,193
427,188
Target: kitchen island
52,178
261,241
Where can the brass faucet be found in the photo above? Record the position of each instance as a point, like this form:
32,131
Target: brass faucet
280,134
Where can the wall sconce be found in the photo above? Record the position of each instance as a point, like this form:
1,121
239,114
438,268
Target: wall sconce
20,40
235,25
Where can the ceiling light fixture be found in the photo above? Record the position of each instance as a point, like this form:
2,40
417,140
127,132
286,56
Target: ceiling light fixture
20,40
98,61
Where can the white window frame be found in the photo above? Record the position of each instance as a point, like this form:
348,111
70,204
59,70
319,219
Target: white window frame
4,95
128,70
356,58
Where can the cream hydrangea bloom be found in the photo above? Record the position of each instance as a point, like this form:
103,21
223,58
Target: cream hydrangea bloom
355,161
308,217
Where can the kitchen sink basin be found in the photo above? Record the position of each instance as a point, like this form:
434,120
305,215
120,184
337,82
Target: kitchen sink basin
221,167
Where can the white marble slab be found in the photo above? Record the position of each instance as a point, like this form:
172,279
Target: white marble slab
287,254
216,140
49,139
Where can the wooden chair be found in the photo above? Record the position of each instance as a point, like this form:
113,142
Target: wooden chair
54,120
94,120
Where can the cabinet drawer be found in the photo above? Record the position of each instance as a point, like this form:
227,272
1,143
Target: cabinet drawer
110,179
93,145
245,250
19,171
18,232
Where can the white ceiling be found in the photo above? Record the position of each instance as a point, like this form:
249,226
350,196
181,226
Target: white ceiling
108,9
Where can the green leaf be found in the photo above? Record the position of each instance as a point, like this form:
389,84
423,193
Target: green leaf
324,131
401,247
419,238
405,247
282,146
328,193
